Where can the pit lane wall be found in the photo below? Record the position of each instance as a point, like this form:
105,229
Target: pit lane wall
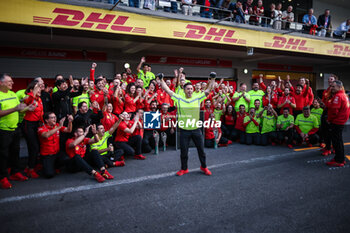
47,14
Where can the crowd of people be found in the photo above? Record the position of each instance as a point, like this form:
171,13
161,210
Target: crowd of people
254,13
93,124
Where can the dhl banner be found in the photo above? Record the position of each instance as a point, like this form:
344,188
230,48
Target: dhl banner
40,13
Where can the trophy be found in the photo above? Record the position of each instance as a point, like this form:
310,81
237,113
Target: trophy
216,134
156,139
163,135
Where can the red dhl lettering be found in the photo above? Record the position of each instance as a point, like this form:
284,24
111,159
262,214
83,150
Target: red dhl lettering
212,34
68,17
340,50
291,44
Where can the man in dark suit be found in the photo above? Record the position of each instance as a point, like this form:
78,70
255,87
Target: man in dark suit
324,24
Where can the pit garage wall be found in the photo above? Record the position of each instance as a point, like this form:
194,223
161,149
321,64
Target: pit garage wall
31,68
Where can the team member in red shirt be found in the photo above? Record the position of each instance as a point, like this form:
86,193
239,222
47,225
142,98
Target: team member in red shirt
76,150
109,119
101,94
163,97
118,100
208,109
124,139
338,114
228,123
239,131
301,99
31,122
131,98
140,103
130,76
286,101
210,137
49,137
270,97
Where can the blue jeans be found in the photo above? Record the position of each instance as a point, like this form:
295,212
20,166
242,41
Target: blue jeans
112,1
134,3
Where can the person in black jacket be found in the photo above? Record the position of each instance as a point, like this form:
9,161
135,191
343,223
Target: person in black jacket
324,24
62,98
86,116
46,99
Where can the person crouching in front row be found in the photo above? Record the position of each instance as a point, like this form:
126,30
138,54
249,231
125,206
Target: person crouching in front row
80,159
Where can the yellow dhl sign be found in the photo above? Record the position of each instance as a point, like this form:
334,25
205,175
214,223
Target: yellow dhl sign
38,13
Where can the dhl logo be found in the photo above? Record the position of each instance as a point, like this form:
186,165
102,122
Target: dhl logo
291,44
71,18
212,34
340,50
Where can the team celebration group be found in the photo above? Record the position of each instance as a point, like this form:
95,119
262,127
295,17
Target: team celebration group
93,124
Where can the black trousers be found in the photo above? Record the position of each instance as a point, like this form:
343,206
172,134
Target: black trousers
111,157
52,162
148,142
197,137
9,152
238,134
92,158
30,130
253,138
336,133
228,131
266,138
210,142
132,147
281,135
313,139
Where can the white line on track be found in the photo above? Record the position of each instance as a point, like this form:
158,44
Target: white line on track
134,180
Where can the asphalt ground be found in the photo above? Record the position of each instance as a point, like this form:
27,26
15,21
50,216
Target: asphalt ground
252,189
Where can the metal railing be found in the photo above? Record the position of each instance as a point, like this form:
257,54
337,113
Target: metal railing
222,14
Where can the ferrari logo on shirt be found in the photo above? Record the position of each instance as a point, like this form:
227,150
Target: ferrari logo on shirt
76,148
336,100
96,95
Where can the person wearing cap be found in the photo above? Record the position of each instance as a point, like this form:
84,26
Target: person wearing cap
188,108
144,73
338,114
9,133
